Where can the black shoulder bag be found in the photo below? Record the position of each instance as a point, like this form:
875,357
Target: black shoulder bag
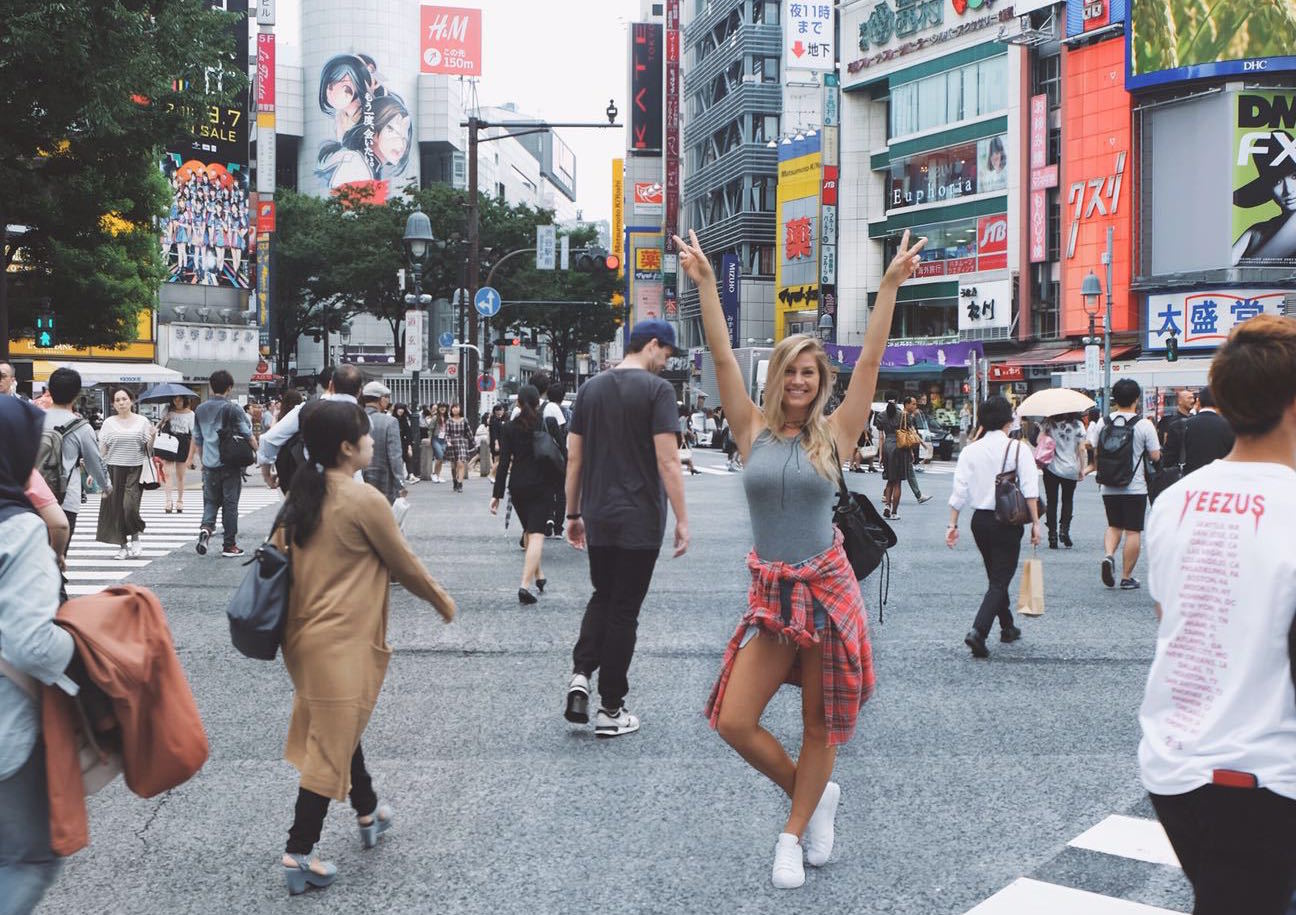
866,537
259,608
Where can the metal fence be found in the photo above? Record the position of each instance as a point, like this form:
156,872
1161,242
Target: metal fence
431,389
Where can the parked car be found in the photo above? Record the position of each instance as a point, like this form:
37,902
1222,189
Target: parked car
941,439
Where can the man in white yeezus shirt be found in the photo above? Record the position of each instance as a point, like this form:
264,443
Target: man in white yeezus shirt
1218,753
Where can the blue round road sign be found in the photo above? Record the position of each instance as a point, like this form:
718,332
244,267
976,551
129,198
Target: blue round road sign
446,339
487,301
485,383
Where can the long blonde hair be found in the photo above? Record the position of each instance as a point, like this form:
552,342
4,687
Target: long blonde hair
816,433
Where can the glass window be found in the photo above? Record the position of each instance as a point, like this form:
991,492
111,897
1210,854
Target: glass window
945,98
931,102
771,70
991,83
954,97
766,253
904,109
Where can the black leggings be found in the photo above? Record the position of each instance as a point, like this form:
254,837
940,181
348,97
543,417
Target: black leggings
1052,482
308,819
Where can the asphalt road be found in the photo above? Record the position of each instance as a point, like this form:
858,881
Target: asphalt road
963,775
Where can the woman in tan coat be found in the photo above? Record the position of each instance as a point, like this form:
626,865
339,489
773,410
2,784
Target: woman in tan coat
345,548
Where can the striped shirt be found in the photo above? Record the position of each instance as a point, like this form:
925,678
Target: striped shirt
124,443
781,602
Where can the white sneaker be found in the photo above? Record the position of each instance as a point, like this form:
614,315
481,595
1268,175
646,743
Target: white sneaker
437,479
608,724
789,872
121,554
818,841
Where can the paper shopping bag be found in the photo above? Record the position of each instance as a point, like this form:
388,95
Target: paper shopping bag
1030,596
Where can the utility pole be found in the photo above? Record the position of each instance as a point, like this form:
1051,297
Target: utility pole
1107,327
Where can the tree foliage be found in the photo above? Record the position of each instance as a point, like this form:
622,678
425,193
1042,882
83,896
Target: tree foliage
86,96
340,257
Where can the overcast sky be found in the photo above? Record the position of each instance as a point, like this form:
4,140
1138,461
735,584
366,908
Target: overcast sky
560,60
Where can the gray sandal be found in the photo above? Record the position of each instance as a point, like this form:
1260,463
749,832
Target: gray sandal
382,820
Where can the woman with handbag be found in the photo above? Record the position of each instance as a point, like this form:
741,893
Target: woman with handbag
805,622
345,548
532,479
897,455
124,442
171,444
997,477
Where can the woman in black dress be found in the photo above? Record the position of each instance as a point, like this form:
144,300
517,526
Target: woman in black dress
895,460
531,484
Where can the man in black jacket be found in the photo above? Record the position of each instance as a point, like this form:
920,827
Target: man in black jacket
1171,427
1207,436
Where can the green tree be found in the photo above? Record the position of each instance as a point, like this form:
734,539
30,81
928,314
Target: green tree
304,248
87,106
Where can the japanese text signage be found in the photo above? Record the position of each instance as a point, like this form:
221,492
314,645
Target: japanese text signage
414,329
450,41
985,306
1201,320
730,280
808,35
646,88
546,247
265,71
1042,178
1264,180
797,264
887,31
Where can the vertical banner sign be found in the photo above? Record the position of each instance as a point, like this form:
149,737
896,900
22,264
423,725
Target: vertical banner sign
265,12
546,246
618,210
828,206
450,40
808,34
263,287
564,253
730,280
265,71
646,89
1042,178
672,128
414,340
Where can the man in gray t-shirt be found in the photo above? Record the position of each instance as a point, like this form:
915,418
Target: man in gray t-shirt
622,467
79,442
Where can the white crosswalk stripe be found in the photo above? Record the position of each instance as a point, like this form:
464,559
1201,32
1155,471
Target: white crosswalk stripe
1126,837
91,566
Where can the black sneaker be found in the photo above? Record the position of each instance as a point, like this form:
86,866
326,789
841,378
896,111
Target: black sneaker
976,641
577,711
1009,634
203,536
1130,584
232,552
1065,538
1109,571
549,528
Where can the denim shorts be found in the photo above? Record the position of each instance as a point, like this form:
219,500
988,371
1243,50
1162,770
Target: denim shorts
438,448
820,623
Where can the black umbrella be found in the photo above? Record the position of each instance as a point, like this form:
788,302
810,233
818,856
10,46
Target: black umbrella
161,393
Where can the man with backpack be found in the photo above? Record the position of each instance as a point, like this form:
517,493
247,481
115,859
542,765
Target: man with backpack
281,449
223,435
1122,443
66,442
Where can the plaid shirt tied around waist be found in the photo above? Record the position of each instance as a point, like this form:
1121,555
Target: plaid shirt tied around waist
781,602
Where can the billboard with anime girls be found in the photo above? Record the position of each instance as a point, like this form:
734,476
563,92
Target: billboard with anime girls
370,133
207,239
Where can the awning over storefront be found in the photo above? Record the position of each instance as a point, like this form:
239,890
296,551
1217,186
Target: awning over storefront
1057,356
93,373
934,356
198,371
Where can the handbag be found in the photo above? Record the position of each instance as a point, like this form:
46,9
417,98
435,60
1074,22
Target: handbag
149,474
1161,478
906,435
1045,450
235,448
259,608
866,537
98,766
165,445
546,450
1010,504
1030,596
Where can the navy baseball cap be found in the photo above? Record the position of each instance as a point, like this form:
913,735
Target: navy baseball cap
645,331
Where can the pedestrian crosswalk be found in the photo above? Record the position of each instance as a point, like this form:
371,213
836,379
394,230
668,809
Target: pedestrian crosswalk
1128,838
90,564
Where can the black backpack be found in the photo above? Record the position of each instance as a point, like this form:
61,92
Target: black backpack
1116,452
235,448
291,457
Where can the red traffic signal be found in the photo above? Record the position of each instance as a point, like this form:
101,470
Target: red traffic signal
612,262
517,341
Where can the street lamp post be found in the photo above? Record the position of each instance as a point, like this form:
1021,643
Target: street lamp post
418,243
825,327
1092,290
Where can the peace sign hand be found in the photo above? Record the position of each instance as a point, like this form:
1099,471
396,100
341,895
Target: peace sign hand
906,261
693,261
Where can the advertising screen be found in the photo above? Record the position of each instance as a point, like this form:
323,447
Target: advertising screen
1264,180
646,88
206,239
1171,41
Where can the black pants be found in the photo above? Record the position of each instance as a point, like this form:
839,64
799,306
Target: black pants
607,637
1052,483
560,508
222,487
1000,546
1237,847
308,819
71,516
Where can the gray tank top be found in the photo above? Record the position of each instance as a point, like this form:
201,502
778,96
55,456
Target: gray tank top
790,503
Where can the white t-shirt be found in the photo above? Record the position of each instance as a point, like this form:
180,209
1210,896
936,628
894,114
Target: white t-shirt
549,410
1145,442
1221,565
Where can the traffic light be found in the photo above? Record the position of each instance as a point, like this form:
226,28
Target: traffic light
46,332
1172,349
596,260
